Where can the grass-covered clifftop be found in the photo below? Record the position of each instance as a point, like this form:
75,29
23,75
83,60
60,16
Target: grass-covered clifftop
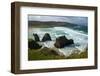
43,54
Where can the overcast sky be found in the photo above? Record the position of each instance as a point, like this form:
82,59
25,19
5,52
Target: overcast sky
71,19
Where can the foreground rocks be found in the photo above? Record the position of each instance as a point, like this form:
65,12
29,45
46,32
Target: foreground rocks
51,51
46,37
33,45
36,37
62,41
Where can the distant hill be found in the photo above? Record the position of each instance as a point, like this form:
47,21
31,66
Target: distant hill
50,23
57,24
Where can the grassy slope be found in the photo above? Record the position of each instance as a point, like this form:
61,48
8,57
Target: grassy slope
37,55
77,56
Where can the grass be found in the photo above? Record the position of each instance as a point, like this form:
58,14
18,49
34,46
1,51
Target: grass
78,56
38,55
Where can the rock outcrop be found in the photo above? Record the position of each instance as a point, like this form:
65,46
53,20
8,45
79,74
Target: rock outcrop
62,41
46,37
33,45
36,37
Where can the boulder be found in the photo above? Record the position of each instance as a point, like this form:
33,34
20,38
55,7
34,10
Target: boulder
62,41
46,37
33,45
36,37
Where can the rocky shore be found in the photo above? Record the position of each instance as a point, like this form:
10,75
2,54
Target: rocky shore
54,48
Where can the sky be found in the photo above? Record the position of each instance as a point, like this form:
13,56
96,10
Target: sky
71,19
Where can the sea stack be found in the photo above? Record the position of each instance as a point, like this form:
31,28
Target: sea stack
36,37
62,41
46,37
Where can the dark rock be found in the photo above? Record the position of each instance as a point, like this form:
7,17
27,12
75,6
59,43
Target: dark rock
62,41
33,45
71,41
46,37
36,37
